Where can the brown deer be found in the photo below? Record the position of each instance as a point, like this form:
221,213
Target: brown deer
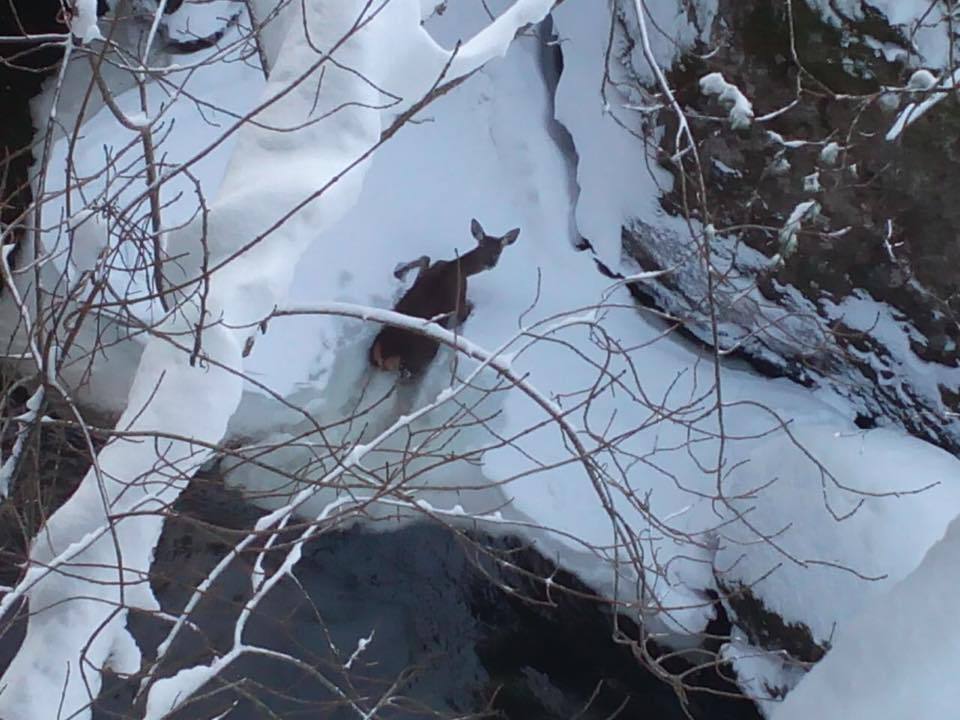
440,293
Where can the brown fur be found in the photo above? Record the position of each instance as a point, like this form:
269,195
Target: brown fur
440,291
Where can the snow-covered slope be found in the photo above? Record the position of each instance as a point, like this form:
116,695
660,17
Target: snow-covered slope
488,152
846,515
898,657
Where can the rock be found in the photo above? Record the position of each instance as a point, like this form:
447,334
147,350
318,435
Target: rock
866,306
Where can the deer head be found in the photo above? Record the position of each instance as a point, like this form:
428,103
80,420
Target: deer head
487,253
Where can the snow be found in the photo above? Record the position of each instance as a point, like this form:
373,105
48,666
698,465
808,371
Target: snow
764,675
91,225
915,110
493,137
230,85
334,146
921,80
612,166
830,153
24,423
725,169
104,535
675,30
332,133
729,95
518,176
830,501
83,21
803,212
482,140
923,24
362,644
898,657
901,367
488,149
79,616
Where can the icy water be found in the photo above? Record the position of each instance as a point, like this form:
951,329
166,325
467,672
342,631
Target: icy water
446,640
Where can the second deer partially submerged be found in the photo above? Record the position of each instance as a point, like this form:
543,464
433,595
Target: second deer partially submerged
439,292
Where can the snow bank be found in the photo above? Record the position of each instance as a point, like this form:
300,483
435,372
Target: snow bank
80,218
898,657
837,506
320,159
491,138
255,233
87,566
615,178
88,563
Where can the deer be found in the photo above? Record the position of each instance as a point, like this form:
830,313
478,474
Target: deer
438,293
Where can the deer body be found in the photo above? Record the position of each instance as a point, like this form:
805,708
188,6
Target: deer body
440,292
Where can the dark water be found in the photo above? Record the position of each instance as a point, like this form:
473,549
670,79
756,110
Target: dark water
448,640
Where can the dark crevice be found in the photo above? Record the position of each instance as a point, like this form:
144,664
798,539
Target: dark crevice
551,67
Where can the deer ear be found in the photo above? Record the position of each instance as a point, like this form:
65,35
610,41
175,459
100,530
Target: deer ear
477,230
510,237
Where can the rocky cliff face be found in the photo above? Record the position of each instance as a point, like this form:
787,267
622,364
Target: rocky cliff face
866,304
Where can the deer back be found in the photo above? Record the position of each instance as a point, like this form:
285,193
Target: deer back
439,290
